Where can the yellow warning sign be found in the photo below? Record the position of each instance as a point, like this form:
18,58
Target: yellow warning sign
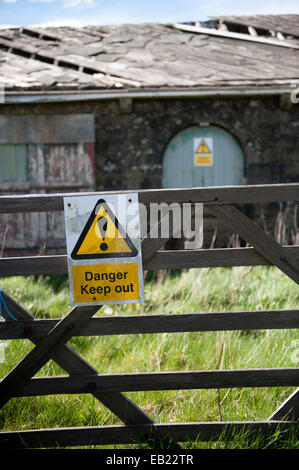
203,151
105,282
103,236
203,148
202,159
104,249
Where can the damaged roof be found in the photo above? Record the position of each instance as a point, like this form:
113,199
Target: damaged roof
152,56
285,24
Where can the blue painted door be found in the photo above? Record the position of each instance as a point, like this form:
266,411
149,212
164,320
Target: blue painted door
203,156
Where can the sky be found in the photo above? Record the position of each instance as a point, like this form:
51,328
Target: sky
108,12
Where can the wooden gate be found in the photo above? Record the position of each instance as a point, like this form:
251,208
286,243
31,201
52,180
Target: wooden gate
50,335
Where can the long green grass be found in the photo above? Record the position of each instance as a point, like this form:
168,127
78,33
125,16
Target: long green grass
205,290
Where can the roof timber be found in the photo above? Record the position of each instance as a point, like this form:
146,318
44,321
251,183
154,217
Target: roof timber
232,35
287,23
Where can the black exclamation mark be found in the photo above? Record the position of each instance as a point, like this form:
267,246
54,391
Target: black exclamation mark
103,224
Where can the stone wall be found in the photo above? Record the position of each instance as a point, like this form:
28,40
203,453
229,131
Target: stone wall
131,140
130,146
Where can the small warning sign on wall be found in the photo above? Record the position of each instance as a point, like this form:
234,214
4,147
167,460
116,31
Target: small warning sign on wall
104,249
203,151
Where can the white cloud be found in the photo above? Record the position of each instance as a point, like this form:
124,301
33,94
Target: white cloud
57,23
8,26
10,1
66,3
108,15
75,3
101,20
216,8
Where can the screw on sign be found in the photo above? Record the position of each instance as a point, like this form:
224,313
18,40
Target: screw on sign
104,258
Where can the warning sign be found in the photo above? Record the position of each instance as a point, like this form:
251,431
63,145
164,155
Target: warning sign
103,237
202,159
104,249
203,148
203,151
105,282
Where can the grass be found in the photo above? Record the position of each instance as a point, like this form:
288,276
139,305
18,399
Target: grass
218,289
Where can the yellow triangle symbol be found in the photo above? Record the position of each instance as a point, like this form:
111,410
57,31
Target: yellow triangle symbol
203,148
103,236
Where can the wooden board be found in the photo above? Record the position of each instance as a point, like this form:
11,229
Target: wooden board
105,435
211,195
142,324
287,377
168,259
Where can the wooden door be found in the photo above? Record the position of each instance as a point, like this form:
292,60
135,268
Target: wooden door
203,156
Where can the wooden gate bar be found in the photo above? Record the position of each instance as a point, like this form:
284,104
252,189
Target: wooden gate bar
165,323
77,384
258,238
108,435
168,259
209,195
212,258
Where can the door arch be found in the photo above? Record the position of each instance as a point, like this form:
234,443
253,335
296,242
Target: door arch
203,156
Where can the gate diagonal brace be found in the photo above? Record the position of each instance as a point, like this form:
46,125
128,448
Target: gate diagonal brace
57,337
73,364
258,238
52,343
278,256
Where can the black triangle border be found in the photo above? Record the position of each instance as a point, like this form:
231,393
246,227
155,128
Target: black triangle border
84,232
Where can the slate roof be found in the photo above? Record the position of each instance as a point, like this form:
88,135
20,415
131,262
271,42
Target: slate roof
145,56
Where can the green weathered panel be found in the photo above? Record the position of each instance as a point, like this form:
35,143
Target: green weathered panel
228,159
47,129
13,163
6,163
21,162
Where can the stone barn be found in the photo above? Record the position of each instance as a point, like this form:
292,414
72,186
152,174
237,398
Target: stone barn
148,106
